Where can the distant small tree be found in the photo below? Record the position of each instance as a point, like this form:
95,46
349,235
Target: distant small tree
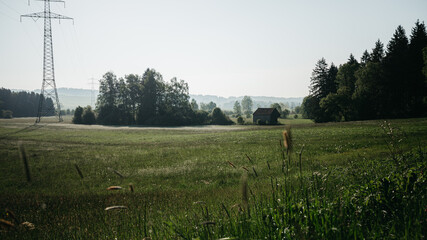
277,106
208,107
228,112
194,105
88,116
237,108
296,116
78,119
247,105
285,113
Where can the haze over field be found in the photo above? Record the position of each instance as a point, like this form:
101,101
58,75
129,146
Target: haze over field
72,97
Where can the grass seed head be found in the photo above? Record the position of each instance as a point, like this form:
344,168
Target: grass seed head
115,207
28,225
114,188
287,138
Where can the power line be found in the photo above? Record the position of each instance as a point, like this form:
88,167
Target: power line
11,8
8,16
49,85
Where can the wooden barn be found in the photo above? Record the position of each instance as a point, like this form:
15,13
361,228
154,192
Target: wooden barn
266,115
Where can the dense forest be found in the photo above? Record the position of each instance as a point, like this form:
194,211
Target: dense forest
386,83
21,104
149,100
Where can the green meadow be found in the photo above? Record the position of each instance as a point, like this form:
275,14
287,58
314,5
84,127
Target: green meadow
361,180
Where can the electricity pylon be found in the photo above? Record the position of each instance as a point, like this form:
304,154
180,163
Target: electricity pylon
49,86
92,97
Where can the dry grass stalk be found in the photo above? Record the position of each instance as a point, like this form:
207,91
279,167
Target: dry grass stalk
245,169
231,164
287,139
115,207
114,188
131,187
6,224
23,155
250,160
78,170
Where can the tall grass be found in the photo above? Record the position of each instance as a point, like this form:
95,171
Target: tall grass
370,196
392,206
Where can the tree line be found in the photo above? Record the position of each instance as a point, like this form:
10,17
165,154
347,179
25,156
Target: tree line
385,83
147,100
21,104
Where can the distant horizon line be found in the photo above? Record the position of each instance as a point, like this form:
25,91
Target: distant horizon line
34,90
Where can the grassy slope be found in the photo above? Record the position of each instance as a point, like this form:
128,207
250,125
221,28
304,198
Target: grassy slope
169,168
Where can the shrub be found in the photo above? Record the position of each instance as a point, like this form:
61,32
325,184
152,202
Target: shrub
296,116
77,119
219,118
88,116
200,117
240,120
6,114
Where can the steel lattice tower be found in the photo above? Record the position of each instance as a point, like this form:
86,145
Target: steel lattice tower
48,89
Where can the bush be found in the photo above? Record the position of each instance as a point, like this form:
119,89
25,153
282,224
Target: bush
219,118
200,117
240,120
84,116
77,119
296,116
6,114
285,113
88,116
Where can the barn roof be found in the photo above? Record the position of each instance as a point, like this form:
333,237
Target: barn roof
265,111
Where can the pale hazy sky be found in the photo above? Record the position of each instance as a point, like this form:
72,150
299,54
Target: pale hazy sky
220,47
